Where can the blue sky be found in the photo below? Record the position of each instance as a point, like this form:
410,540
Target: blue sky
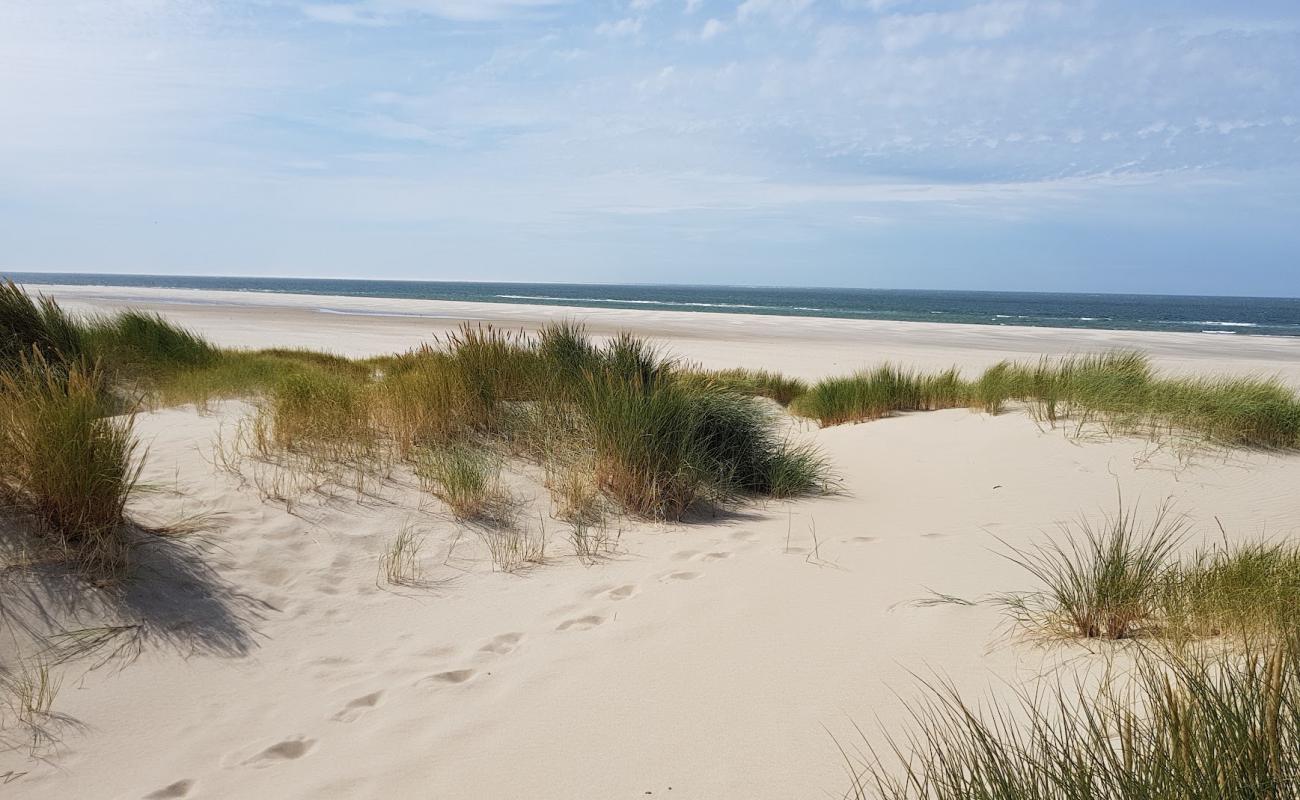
1082,146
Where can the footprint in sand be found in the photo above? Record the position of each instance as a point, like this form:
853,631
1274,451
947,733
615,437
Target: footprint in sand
580,623
745,536
696,555
172,791
288,750
441,651
449,678
622,592
682,576
355,708
502,644
863,539
935,535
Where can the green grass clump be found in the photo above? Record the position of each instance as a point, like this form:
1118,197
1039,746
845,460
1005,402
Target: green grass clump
1118,391
493,367
1121,392
467,479
34,325
1125,578
566,352
1190,726
136,342
756,382
647,456
1246,590
880,392
425,402
995,386
319,409
67,461
1232,411
249,373
1101,581
662,446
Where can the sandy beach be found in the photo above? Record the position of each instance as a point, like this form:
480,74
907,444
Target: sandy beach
806,347
720,658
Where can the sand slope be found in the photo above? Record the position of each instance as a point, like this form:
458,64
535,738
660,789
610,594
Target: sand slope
710,658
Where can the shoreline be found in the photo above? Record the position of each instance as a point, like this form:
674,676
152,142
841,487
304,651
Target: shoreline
364,326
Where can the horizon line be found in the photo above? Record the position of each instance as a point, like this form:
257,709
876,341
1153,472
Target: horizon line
7,273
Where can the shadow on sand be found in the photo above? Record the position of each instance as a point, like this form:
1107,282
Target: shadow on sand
170,598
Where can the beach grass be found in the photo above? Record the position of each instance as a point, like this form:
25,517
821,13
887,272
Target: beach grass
466,478
881,392
664,446
37,325
1118,391
28,691
1127,576
756,382
1245,590
68,459
400,561
319,410
140,343
1199,725
1101,580
513,548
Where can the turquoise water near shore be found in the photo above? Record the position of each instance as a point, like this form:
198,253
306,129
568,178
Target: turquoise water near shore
1209,315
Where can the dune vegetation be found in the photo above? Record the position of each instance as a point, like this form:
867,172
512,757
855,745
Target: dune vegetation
1188,725
69,460
1118,391
1125,577
659,440
1203,703
615,423
620,421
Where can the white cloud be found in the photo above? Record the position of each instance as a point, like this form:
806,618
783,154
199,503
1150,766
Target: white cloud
780,10
374,12
343,14
982,22
693,5
712,28
628,26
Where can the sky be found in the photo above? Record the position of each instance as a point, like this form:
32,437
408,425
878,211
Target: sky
1098,146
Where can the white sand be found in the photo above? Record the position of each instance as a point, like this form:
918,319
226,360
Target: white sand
706,661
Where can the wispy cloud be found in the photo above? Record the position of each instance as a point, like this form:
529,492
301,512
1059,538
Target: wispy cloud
780,10
712,28
518,125
378,12
628,26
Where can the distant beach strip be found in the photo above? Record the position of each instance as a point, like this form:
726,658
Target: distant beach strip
1249,316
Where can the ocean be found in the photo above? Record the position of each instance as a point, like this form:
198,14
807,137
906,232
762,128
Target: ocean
1248,316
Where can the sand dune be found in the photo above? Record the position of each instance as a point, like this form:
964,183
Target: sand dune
714,659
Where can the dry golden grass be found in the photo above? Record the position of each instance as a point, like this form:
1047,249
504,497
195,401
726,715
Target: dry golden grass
69,460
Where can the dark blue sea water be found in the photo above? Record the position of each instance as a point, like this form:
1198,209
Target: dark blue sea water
1266,316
